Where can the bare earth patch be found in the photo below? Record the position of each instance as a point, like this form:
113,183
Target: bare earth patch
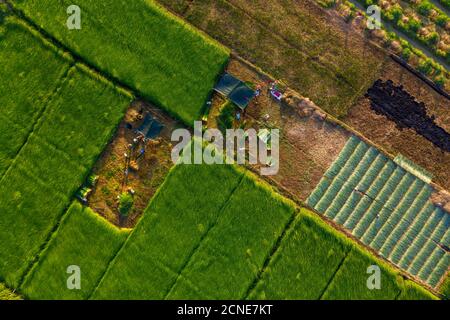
152,167
308,144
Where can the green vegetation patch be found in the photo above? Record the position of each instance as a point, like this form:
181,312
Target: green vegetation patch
83,239
304,263
6,294
78,121
186,206
236,248
315,261
30,73
142,45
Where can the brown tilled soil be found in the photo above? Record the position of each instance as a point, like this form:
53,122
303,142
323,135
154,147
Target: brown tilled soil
407,142
153,168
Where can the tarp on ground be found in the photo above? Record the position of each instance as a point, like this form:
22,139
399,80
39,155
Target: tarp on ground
242,95
150,128
235,90
227,84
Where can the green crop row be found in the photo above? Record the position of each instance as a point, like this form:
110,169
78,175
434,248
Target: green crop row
165,60
414,27
72,124
414,56
196,243
84,240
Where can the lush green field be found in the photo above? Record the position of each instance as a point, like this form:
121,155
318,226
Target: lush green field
79,118
30,74
142,45
301,268
178,218
192,236
238,245
315,261
83,239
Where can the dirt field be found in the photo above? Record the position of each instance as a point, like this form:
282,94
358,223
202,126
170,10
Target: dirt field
308,145
295,41
153,167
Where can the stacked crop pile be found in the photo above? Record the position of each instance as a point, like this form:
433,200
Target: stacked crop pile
387,208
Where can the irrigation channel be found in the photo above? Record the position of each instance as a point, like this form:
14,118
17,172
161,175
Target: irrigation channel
389,27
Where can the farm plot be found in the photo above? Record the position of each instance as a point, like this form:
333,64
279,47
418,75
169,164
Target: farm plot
308,143
387,208
180,215
238,245
350,281
230,25
385,133
165,61
83,239
303,264
30,74
315,262
78,121
145,175
180,247
296,41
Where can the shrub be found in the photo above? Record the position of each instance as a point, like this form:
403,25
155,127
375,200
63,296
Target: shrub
394,13
425,66
440,81
433,38
425,8
413,25
406,53
441,20
125,203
